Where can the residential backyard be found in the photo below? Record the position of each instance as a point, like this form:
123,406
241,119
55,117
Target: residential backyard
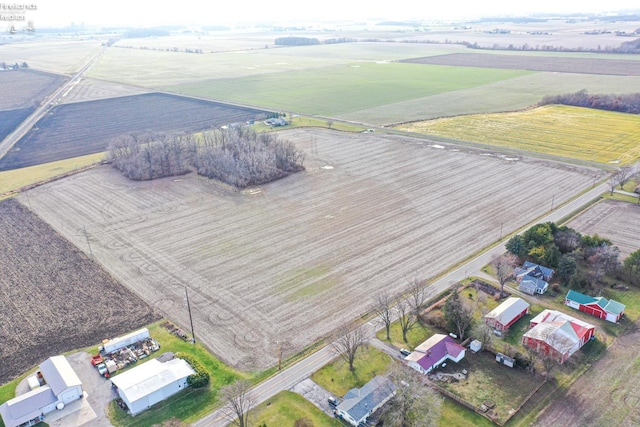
488,381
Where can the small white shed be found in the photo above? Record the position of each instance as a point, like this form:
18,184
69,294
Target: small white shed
475,346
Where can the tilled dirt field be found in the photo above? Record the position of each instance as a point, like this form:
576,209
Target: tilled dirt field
289,262
52,297
617,221
617,67
26,88
606,395
92,89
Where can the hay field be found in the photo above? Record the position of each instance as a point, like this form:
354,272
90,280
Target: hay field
571,132
55,55
617,221
292,260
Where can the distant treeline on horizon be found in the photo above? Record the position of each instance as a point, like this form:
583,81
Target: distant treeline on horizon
627,103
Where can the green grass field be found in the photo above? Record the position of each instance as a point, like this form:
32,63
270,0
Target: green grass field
571,132
337,378
285,408
339,89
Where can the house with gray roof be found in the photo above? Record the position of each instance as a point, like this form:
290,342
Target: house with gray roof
533,278
60,386
359,403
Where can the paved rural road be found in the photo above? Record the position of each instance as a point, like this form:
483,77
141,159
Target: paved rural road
46,105
286,379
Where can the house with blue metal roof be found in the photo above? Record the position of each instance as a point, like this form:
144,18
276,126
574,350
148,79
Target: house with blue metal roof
359,403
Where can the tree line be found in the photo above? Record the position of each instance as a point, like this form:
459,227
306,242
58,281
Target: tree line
624,103
237,156
306,41
580,261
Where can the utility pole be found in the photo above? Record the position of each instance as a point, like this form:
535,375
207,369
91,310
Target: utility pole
88,243
186,293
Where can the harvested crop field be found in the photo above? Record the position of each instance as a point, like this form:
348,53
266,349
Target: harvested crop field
92,89
78,129
616,67
26,88
293,260
617,221
10,119
53,298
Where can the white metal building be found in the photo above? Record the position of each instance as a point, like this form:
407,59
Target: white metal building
61,387
151,382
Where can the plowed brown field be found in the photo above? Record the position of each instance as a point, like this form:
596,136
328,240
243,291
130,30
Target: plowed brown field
53,298
617,221
291,261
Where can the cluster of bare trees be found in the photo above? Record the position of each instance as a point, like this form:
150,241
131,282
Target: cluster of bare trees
241,157
407,308
626,103
237,156
150,156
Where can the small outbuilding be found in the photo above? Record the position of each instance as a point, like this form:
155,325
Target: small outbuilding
506,314
151,382
475,346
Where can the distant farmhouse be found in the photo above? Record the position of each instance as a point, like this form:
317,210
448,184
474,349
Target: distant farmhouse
557,335
55,385
152,382
358,404
506,314
533,278
433,352
596,306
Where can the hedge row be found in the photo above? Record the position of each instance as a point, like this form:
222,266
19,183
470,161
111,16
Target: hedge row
201,377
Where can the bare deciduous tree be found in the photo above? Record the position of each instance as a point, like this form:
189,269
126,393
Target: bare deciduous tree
603,260
483,333
239,402
406,316
382,308
417,293
348,342
504,265
415,404
459,317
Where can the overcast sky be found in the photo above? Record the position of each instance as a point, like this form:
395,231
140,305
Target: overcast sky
227,12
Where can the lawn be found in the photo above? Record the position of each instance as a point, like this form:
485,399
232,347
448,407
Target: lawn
336,377
344,88
455,415
416,335
18,178
188,405
488,380
569,132
285,408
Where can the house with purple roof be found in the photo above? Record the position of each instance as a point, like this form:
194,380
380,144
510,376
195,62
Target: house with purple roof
433,352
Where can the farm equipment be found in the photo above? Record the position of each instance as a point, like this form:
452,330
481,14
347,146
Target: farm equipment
97,359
